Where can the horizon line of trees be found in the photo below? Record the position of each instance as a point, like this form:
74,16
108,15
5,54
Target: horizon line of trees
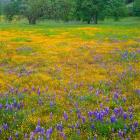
68,10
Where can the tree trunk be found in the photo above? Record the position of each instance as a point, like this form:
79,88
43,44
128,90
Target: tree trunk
96,18
32,20
88,21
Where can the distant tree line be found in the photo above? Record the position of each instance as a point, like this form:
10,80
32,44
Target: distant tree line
67,10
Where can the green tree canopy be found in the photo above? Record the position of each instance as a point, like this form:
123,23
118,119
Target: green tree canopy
89,10
11,8
83,10
137,7
116,8
33,9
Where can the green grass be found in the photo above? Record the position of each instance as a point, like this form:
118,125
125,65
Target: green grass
25,50
21,39
127,22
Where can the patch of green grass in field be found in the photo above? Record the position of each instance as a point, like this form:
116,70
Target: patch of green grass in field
5,60
105,128
20,39
25,50
2,44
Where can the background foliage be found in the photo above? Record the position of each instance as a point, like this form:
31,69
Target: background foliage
73,10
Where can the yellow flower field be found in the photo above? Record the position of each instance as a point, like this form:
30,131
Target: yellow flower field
66,77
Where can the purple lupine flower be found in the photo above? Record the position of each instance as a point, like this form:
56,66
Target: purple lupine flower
16,91
78,110
107,110
79,115
103,112
81,84
124,99
10,138
113,119
33,88
125,55
12,90
25,90
25,135
83,119
90,89
101,105
95,113
11,107
121,110
15,103
125,115
97,92
49,132
5,126
1,106
0,131
116,95
76,105
116,111
92,127
72,126
16,135
18,106
62,134
32,136
120,133
137,91
130,109
133,129
95,138
65,116
75,86
78,132
107,99
10,71
136,124
59,127
38,129
42,131
51,115
90,113
99,116
77,125
47,88
51,104
91,119
38,91
131,116
40,102
7,106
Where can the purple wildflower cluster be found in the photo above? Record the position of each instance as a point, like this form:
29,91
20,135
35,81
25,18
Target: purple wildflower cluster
74,119
14,105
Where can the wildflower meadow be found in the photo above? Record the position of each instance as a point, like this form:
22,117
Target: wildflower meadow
70,81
